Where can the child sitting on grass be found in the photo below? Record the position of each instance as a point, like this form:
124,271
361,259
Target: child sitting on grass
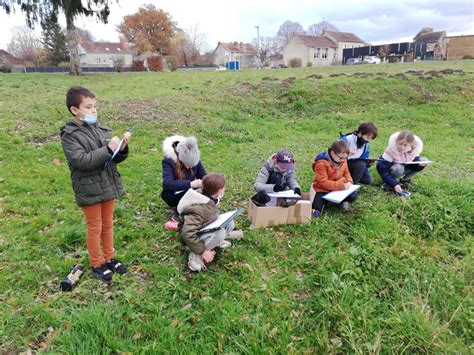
278,174
196,210
88,147
182,170
331,174
358,143
403,147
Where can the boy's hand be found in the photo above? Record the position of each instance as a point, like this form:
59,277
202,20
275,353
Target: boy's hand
126,138
113,143
208,256
196,184
347,185
398,189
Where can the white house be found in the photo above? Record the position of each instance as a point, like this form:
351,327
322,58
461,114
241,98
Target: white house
243,52
104,54
321,50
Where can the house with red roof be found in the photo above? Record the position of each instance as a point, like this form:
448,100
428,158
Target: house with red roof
7,59
104,54
245,53
321,50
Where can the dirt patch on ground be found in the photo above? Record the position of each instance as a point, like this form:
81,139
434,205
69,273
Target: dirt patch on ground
287,82
145,111
40,141
315,76
415,87
244,87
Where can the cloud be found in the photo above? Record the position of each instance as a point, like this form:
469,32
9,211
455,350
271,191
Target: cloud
373,21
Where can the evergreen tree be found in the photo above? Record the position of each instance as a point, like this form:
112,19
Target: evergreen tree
54,40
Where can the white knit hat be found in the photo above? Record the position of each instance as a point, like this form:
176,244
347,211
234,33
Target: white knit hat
188,152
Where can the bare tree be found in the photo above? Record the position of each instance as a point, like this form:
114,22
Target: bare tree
188,45
35,10
24,44
286,31
317,29
267,48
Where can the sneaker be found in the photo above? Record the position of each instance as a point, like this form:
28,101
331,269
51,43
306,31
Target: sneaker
171,225
316,213
225,244
117,266
102,273
195,262
404,194
235,234
346,207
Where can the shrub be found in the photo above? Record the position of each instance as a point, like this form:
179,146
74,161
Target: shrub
138,65
5,69
155,63
295,63
63,64
173,62
309,64
468,57
119,63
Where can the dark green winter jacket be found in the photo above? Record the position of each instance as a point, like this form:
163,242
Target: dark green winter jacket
85,148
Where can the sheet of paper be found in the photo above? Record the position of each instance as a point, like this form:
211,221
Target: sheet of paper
117,150
222,219
284,194
416,162
339,196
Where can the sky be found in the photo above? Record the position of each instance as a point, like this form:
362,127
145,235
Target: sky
376,22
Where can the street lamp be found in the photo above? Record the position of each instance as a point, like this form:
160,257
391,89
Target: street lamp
258,45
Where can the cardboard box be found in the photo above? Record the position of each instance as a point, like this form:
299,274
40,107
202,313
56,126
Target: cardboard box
300,213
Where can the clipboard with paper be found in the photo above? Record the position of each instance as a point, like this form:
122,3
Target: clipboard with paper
221,222
340,195
117,150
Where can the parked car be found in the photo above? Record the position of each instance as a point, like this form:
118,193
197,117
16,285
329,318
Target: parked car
371,59
279,66
352,61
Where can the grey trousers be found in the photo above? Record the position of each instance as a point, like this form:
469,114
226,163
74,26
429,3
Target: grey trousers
406,172
213,239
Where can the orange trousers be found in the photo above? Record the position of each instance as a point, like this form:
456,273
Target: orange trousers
100,229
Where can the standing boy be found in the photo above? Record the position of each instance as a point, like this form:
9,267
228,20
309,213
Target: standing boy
88,147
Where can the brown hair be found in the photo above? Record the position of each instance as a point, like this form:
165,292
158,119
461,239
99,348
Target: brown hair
339,147
211,183
367,128
178,166
407,136
75,95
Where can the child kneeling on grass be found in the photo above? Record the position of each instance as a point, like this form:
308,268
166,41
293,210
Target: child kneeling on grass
358,143
196,210
278,174
403,147
88,147
331,174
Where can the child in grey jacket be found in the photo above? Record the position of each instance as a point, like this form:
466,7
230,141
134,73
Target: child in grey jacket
278,174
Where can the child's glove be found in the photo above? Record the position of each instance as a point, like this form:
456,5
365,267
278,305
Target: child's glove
298,191
277,188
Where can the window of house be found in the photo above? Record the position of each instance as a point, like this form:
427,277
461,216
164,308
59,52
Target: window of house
317,52
324,53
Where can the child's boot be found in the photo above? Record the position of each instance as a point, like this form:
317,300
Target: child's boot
196,262
235,234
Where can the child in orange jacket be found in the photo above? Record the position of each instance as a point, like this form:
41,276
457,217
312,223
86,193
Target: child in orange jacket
331,174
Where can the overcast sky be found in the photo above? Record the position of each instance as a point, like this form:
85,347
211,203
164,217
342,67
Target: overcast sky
375,22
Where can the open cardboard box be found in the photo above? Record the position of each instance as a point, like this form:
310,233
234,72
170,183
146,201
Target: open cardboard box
300,213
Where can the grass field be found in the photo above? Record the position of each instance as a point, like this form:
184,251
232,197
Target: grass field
390,276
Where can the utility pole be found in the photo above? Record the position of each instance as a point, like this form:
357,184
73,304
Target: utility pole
258,44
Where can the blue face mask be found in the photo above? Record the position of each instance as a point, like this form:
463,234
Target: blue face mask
89,119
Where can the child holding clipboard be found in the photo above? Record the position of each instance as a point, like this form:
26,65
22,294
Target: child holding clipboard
198,209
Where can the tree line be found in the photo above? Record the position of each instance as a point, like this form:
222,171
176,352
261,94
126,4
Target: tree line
148,30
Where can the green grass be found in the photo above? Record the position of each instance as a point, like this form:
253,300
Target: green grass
391,276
